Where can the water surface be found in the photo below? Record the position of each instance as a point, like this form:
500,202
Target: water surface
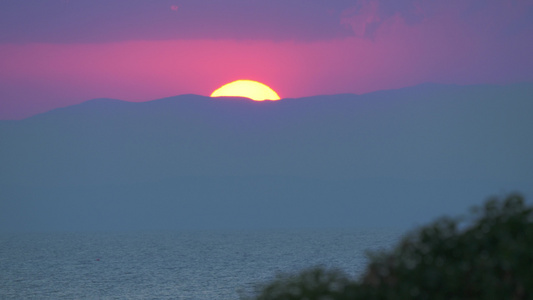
172,265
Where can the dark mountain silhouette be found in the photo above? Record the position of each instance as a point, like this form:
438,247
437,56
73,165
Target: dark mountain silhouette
388,158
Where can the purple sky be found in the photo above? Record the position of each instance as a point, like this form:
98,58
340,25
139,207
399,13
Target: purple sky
58,52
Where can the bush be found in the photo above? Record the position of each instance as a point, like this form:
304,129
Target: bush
487,255
315,283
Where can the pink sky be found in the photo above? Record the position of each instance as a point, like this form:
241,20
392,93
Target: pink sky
388,46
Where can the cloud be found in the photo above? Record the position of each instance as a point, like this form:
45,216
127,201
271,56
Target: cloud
97,21
367,16
503,17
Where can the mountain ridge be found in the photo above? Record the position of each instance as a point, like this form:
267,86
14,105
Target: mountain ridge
425,87
359,157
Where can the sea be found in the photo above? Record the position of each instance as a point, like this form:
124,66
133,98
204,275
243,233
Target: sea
221,264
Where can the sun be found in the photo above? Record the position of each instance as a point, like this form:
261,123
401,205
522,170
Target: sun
248,89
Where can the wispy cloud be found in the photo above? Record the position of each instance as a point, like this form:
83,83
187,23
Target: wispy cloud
481,17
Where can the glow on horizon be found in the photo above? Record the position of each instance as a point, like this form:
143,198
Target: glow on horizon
449,46
251,89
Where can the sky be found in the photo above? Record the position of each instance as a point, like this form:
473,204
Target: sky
55,53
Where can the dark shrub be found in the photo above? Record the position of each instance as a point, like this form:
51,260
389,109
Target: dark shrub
487,255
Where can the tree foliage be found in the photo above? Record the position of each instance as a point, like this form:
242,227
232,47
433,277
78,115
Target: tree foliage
486,255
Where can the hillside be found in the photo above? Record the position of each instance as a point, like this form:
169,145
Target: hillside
388,158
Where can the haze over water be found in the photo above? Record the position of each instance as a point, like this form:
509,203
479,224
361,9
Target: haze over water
387,159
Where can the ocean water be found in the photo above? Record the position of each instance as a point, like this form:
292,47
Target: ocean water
172,265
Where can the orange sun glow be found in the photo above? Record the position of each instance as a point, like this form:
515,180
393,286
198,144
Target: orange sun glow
248,89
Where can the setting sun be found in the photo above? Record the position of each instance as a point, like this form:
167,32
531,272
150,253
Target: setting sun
248,89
